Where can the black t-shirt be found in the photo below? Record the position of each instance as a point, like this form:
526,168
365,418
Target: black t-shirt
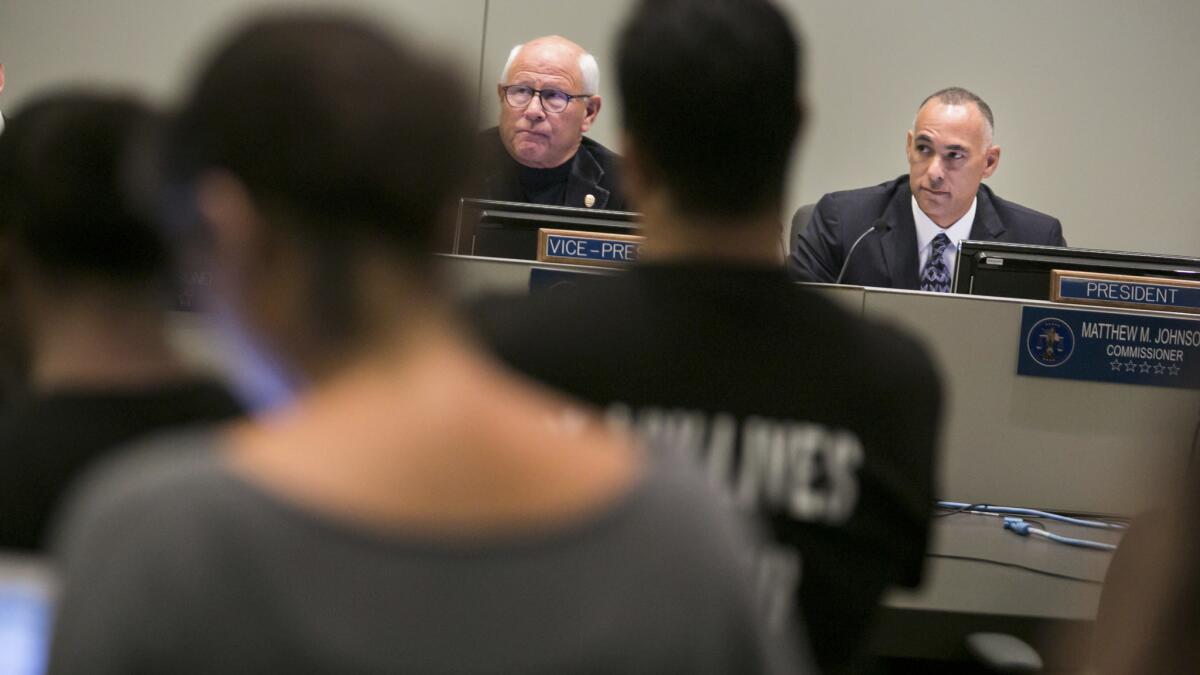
46,441
823,423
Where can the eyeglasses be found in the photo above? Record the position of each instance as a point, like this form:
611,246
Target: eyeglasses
553,100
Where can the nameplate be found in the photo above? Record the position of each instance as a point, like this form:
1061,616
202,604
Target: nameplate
1109,347
587,248
1120,290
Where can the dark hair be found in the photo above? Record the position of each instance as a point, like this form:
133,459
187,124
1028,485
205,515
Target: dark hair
331,124
67,198
960,96
710,94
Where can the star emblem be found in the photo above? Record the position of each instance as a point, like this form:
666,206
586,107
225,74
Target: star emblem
1130,366
1116,364
1174,369
1159,369
1145,367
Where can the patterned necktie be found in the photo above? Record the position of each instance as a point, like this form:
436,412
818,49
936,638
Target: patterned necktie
936,277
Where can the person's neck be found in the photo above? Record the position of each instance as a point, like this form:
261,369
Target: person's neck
752,238
948,221
100,338
433,435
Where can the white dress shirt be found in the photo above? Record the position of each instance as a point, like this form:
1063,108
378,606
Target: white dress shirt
927,230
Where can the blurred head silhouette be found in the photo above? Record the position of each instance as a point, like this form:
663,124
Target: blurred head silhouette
322,184
83,261
710,105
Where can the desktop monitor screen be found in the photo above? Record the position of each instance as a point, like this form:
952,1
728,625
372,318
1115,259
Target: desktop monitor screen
510,229
1023,270
27,590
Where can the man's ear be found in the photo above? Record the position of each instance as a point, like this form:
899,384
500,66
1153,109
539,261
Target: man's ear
590,112
1,77
991,161
229,211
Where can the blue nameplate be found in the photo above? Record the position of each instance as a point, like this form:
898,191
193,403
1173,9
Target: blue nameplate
587,248
1119,290
1109,347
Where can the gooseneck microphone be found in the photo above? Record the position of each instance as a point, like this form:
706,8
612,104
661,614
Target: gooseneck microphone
877,225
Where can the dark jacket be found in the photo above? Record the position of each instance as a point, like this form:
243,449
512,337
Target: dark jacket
595,171
888,257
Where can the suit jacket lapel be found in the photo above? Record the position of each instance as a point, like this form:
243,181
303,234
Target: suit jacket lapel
899,242
987,225
584,180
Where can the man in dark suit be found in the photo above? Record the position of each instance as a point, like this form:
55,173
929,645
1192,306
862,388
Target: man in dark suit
919,220
538,153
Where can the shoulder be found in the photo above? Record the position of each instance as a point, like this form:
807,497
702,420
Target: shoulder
904,355
875,195
601,153
1014,214
880,347
149,486
882,366
857,209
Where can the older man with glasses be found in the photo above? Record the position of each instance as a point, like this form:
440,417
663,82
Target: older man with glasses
538,153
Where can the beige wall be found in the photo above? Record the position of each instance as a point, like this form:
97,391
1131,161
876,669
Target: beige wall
153,45
1094,101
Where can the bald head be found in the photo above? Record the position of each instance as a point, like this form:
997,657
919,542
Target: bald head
550,69
557,49
950,151
959,97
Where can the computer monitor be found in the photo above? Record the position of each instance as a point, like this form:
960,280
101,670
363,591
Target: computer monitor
1023,270
27,592
510,229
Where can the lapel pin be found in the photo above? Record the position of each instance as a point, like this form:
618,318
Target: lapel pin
589,201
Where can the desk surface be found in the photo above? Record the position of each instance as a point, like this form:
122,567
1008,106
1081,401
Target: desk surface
1004,586
980,577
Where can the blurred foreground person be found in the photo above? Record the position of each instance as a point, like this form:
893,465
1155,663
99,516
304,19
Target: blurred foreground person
85,295
1148,621
416,508
820,423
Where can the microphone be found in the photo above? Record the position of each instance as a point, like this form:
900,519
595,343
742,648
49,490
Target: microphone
877,225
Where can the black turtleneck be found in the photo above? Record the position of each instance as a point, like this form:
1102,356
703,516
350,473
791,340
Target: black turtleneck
545,186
